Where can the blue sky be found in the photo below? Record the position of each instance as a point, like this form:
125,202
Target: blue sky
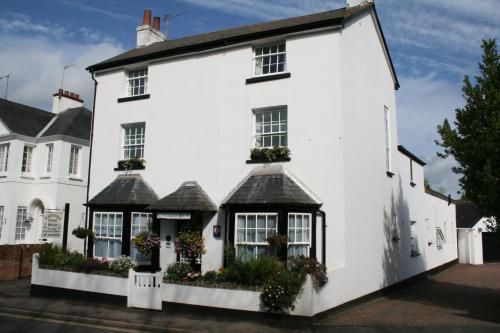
433,44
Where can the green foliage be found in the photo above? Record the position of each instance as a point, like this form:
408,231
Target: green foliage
48,253
282,290
211,276
474,141
254,272
270,154
277,240
131,164
82,233
122,264
312,267
178,271
229,255
191,245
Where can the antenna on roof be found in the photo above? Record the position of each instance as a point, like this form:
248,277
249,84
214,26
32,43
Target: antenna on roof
169,17
7,85
64,70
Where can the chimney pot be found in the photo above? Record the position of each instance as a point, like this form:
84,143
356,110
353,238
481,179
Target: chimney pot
156,23
77,96
146,19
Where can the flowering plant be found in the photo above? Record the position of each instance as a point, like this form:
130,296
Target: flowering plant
122,264
146,242
191,245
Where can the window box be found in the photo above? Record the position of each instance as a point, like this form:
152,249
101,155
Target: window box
269,155
131,164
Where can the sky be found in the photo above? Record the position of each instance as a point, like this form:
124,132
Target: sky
433,45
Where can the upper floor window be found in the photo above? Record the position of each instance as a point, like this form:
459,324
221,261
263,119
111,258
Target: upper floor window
50,156
271,128
133,141
4,157
270,59
74,161
137,81
27,159
387,128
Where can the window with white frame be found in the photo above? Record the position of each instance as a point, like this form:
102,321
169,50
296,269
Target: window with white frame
137,81
387,128
140,222
270,59
4,157
108,234
299,234
27,159
133,140
271,127
50,156
22,216
1,220
252,231
414,239
74,161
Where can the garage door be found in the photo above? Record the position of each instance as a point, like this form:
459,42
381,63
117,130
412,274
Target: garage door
491,247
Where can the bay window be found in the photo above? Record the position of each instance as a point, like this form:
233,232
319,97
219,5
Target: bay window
299,234
271,128
270,59
108,234
252,231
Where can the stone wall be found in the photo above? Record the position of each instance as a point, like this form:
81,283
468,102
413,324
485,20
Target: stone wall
16,260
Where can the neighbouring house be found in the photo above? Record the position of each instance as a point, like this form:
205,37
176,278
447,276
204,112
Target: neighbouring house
180,132
475,243
43,166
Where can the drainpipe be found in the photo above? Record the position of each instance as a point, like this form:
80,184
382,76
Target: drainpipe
90,162
323,237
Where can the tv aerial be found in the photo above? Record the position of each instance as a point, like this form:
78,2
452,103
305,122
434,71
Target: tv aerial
168,17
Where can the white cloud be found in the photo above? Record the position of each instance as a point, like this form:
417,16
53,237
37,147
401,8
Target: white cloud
15,23
116,15
438,173
37,63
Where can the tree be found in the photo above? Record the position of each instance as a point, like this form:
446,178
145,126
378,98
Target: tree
475,140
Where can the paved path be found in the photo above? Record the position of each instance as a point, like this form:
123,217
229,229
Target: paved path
461,299
462,296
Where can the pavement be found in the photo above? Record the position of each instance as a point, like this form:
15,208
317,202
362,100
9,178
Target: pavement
461,299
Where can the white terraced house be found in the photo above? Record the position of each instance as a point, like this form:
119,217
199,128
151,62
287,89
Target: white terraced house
321,85
43,167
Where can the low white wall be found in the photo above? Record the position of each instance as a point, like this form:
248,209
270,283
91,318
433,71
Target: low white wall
77,281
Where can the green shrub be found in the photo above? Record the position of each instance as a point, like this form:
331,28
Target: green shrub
48,253
229,255
68,259
90,265
178,271
310,266
122,264
254,272
211,276
280,293
270,154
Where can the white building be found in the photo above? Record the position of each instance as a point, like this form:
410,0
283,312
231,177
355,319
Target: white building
322,85
43,166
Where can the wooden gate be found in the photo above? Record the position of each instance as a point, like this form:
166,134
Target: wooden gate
144,290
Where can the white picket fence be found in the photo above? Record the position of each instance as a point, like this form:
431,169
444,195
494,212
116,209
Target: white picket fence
144,290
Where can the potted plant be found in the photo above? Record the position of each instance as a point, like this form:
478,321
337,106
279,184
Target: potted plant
191,245
270,154
133,163
146,241
82,233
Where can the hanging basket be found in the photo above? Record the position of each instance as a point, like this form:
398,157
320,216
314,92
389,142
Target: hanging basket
82,233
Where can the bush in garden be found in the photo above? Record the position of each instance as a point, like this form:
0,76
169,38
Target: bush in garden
93,265
254,272
178,271
68,259
48,253
121,265
280,293
191,245
211,277
310,266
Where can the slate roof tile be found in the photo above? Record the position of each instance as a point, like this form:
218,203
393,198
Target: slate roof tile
125,190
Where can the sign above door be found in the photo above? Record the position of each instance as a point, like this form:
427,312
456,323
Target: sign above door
174,216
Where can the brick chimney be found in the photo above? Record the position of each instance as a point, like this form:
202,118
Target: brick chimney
147,34
63,100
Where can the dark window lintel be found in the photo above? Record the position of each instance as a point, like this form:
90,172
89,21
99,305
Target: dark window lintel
268,78
133,98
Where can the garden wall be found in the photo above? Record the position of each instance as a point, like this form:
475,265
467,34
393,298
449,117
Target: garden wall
15,260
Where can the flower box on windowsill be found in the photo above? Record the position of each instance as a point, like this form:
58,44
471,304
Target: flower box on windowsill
269,155
131,164
264,160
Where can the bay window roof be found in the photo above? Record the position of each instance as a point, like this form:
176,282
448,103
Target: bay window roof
125,190
189,197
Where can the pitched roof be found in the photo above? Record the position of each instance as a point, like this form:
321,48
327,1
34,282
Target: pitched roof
270,186
125,190
188,197
23,119
232,36
74,122
467,214
411,155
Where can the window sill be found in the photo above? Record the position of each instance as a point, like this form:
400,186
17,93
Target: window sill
45,177
3,176
27,177
278,160
133,98
412,184
389,174
132,168
268,78
75,179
